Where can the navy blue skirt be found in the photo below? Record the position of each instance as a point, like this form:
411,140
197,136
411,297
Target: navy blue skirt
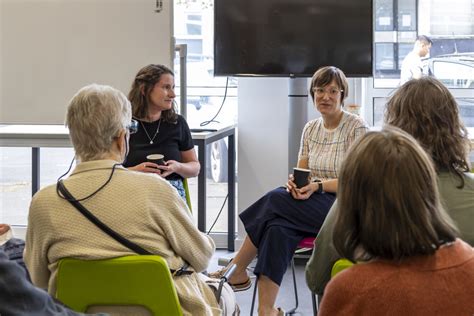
276,223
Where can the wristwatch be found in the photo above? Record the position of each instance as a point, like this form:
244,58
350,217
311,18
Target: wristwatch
320,186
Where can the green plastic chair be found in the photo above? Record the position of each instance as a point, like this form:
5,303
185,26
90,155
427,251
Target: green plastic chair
337,267
340,265
131,280
188,196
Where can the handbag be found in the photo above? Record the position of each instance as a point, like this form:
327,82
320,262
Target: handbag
112,233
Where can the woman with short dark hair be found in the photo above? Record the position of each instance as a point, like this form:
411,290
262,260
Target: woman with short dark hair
389,216
277,222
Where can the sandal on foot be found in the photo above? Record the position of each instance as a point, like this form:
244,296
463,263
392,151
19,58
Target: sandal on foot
236,287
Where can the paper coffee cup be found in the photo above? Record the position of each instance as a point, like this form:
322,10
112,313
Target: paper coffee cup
301,177
156,158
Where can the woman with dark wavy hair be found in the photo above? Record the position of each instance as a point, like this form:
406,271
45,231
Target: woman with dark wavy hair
425,109
428,111
389,216
161,130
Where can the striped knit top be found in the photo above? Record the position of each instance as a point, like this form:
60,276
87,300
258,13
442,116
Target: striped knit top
325,149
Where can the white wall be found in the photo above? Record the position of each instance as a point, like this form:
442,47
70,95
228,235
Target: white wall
50,49
263,138
263,135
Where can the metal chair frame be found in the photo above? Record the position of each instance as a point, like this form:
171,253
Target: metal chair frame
306,243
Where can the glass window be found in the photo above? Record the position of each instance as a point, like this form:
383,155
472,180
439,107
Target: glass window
384,56
403,50
466,111
15,185
194,47
194,17
15,174
454,72
194,25
193,29
451,28
406,15
451,58
384,15
379,108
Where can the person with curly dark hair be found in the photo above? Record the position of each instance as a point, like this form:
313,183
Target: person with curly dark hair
428,111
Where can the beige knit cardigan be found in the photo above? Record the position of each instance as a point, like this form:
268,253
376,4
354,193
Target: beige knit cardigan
142,207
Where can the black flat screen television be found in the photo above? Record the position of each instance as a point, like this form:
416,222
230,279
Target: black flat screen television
292,38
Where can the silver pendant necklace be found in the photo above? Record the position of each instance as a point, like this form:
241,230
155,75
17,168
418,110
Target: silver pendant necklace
151,139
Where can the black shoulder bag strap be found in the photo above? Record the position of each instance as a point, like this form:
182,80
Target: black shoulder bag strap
112,233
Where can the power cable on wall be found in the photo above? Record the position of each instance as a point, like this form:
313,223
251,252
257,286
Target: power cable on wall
218,215
207,123
220,108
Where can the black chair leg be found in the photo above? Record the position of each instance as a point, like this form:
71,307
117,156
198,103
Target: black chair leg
254,296
315,301
293,310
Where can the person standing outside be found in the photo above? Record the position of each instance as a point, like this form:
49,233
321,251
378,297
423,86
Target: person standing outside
412,67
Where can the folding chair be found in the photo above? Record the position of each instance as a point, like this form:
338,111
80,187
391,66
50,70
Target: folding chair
306,243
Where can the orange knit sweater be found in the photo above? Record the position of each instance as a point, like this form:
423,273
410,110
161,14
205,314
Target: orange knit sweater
440,284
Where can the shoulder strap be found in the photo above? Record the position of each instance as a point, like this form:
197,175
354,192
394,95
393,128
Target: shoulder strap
112,233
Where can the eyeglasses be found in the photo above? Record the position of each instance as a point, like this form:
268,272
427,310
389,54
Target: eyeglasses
333,92
133,127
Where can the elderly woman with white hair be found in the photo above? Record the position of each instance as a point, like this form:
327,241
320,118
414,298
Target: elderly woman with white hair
143,208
